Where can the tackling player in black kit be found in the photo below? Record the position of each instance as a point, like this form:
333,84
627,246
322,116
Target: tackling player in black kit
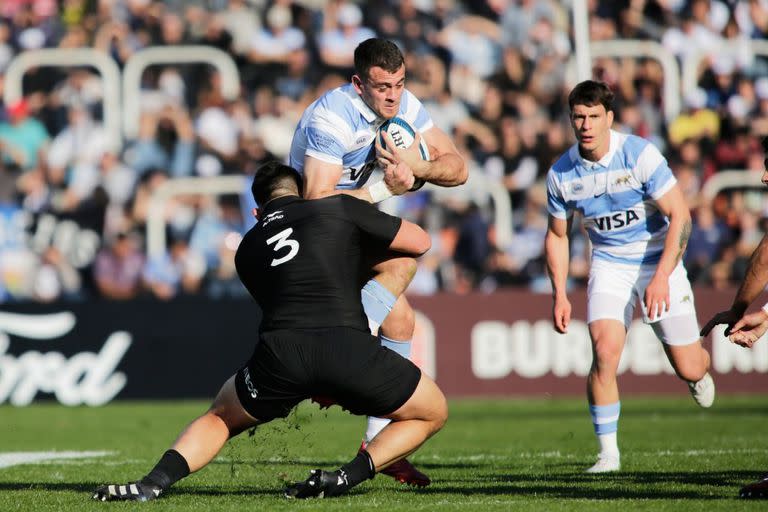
313,339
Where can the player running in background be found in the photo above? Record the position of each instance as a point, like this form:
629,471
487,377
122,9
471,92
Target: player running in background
335,148
313,339
639,224
745,329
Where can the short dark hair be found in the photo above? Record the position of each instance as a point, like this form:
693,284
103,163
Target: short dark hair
591,93
379,52
274,177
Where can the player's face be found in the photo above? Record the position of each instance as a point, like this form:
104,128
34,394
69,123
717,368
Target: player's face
382,90
592,125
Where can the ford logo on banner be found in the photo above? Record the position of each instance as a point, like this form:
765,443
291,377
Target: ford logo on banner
82,378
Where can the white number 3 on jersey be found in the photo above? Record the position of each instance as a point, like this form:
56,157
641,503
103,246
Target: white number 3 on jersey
283,241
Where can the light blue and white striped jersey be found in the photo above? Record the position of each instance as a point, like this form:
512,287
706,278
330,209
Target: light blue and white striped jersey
616,197
339,128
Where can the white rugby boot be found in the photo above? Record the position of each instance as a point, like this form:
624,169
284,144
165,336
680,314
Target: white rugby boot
703,391
605,464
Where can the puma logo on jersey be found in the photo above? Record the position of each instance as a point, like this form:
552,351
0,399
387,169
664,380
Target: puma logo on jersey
616,220
686,298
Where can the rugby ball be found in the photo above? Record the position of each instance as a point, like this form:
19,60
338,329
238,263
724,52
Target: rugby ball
402,134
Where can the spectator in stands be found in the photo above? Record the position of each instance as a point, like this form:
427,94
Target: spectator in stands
166,141
75,151
217,219
708,237
696,121
55,278
179,270
473,246
22,138
242,21
342,32
275,47
118,268
178,212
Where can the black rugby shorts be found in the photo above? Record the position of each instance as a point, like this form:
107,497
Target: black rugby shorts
347,365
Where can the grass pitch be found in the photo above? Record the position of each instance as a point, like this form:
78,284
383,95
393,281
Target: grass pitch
522,455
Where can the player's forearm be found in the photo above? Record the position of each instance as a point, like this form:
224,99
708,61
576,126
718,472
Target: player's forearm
679,232
755,279
447,170
556,249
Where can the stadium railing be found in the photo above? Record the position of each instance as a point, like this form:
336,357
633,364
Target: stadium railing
154,55
71,57
692,64
641,48
236,184
731,178
212,186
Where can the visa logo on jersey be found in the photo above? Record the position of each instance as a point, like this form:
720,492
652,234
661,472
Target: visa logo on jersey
616,220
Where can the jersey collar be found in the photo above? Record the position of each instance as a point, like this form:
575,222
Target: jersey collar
280,202
613,145
368,114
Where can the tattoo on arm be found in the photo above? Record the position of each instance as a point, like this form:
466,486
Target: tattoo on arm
685,234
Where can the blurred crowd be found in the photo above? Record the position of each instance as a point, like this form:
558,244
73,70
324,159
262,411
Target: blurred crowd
495,74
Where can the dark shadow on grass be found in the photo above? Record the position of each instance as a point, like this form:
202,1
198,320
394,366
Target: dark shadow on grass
553,491
623,485
216,491
88,487
334,463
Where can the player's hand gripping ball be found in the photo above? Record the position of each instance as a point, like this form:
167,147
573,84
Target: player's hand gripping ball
403,135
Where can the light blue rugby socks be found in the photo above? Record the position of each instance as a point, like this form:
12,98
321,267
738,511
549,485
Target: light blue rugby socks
377,301
401,347
605,419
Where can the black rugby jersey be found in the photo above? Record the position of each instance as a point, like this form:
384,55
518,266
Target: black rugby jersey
303,261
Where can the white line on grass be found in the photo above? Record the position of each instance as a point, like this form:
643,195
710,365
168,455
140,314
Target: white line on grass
9,459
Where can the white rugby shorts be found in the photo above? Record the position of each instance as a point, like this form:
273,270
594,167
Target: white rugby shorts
614,289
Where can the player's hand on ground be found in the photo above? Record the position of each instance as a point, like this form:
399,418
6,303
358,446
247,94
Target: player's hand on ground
393,155
728,317
561,314
749,329
399,178
656,297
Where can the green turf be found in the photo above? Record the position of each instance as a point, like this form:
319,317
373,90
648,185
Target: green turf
492,455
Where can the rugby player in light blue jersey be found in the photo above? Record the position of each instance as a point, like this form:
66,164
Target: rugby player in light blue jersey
335,148
639,224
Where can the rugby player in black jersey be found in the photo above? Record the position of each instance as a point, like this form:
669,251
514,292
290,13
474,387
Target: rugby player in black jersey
313,339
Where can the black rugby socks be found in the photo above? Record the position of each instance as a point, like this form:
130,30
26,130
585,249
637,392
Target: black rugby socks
358,470
171,468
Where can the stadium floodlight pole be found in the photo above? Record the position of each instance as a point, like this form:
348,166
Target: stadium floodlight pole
581,40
